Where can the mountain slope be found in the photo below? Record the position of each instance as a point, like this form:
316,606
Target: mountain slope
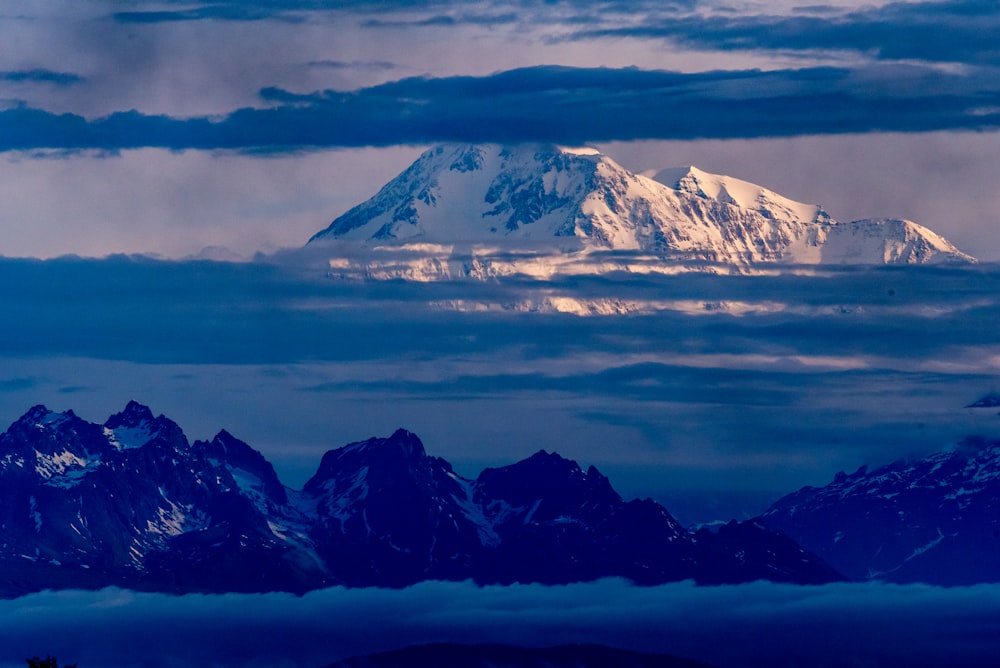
556,199
133,503
934,519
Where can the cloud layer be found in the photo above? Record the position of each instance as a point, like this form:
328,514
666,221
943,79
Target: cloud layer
545,103
952,32
824,373
746,626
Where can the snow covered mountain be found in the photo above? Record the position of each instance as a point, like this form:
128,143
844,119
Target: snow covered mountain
463,210
133,503
934,519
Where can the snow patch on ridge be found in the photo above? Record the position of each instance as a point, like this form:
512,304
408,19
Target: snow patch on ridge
124,438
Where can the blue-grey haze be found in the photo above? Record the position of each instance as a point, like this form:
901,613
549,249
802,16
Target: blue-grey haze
827,372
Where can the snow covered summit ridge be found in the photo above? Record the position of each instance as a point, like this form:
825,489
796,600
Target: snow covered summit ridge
569,199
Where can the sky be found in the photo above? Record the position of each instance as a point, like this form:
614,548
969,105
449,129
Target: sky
168,127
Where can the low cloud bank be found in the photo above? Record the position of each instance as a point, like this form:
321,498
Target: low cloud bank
759,624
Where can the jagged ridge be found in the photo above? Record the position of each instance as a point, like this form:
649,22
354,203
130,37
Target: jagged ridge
133,503
934,519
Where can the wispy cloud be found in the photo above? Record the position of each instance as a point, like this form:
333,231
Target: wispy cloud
353,64
254,10
444,20
41,76
294,11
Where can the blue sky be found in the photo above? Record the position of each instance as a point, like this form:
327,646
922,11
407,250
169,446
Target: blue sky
166,127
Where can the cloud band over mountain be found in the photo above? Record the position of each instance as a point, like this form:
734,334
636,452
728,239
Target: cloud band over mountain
549,103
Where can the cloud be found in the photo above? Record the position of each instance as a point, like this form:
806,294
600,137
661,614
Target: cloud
754,625
546,103
17,384
444,20
256,10
293,11
218,13
958,32
353,64
295,363
41,76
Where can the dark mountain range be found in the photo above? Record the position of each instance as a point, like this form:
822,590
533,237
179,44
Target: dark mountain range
506,656
133,503
935,519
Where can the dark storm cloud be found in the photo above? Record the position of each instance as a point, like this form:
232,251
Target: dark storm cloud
41,76
754,625
961,31
561,104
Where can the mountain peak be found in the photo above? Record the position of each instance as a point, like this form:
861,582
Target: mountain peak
476,193
401,440
547,475
545,197
40,416
36,413
134,415
743,194
400,455
551,459
135,426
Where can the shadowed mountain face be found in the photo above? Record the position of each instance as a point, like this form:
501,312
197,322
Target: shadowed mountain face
554,199
934,519
506,656
133,503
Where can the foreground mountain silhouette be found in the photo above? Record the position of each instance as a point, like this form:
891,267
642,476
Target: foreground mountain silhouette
133,503
554,199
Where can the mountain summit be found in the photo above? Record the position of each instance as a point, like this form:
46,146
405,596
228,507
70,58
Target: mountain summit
551,197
